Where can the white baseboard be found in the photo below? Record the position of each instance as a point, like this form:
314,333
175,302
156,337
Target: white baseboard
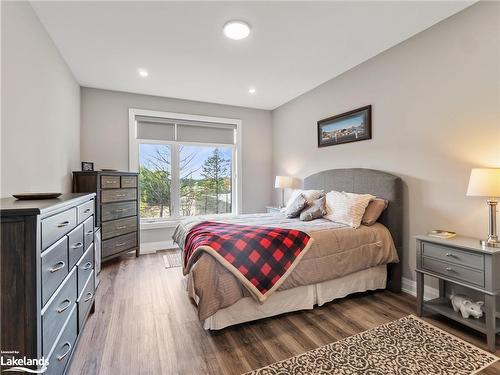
410,287
153,247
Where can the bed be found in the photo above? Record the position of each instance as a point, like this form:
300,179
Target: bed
341,260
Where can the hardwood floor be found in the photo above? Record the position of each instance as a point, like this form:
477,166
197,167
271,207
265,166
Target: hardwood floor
145,324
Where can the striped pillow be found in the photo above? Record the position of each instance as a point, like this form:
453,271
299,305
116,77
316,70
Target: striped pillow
346,208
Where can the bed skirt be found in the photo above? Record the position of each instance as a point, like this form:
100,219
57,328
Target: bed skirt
300,298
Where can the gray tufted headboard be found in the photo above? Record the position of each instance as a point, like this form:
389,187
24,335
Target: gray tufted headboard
378,183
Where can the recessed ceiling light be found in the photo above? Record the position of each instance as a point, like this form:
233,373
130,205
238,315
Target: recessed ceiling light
252,90
236,29
143,73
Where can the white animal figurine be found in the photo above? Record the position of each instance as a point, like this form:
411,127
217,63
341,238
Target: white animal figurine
466,307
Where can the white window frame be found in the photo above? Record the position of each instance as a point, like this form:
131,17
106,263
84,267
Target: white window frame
152,223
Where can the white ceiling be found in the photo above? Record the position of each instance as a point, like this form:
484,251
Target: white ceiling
293,47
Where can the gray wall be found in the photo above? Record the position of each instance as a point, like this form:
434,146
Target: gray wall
436,114
40,107
104,140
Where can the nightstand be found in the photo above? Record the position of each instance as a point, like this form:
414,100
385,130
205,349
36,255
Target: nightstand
461,261
272,210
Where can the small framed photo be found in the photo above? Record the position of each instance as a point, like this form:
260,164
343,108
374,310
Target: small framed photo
347,127
87,166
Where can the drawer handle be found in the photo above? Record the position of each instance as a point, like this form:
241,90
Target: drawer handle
110,182
63,224
449,269
77,245
121,227
86,266
120,210
89,297
57,266
449,255
120,244
86,211
89,232
61,357
61,309
120,195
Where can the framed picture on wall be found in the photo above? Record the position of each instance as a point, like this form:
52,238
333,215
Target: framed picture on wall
352,126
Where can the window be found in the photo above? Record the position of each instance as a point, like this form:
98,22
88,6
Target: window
155,176
187,164
206,180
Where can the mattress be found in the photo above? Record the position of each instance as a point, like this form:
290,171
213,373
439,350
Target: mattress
337,251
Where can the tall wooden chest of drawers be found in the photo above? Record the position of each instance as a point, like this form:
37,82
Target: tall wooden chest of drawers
47,278
117,209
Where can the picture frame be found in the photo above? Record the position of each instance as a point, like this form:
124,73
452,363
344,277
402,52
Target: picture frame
87,166
352,126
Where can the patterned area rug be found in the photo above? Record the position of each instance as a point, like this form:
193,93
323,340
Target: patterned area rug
172,258
405,346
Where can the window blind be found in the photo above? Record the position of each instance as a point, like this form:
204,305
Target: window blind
164,129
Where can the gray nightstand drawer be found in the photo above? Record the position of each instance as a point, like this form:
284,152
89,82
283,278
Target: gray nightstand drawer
454,271
454,256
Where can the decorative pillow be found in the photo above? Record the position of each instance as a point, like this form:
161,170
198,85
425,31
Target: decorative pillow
346,208
373,211
315,211
309,195
296,207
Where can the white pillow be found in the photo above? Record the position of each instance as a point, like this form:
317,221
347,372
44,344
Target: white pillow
346,208
309,195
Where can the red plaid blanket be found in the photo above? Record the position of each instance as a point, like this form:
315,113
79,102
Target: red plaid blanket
261,258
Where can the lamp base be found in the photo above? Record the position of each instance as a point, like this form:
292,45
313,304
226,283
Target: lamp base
489,243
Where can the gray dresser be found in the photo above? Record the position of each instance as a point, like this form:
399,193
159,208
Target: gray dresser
460,261
117,209
47,281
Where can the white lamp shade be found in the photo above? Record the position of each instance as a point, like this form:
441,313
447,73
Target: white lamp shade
484,182
283,182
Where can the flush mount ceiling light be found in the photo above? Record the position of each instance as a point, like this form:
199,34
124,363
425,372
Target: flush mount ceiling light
252,90
236,29
143,73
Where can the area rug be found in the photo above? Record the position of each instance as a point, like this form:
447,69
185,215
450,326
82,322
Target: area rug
405,346
172,258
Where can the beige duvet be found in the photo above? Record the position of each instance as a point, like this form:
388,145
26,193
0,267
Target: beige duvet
337,250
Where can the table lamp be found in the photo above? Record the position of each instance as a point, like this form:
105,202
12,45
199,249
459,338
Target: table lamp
485,182
283,182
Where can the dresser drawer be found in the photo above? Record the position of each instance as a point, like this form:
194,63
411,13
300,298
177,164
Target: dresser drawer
454,271
54,227
88,232
453,256
117,195
85,301
129,181
64,346
118,227
84,268
75,245
54,267
110,182
112,211
56,312
119,244
84,211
